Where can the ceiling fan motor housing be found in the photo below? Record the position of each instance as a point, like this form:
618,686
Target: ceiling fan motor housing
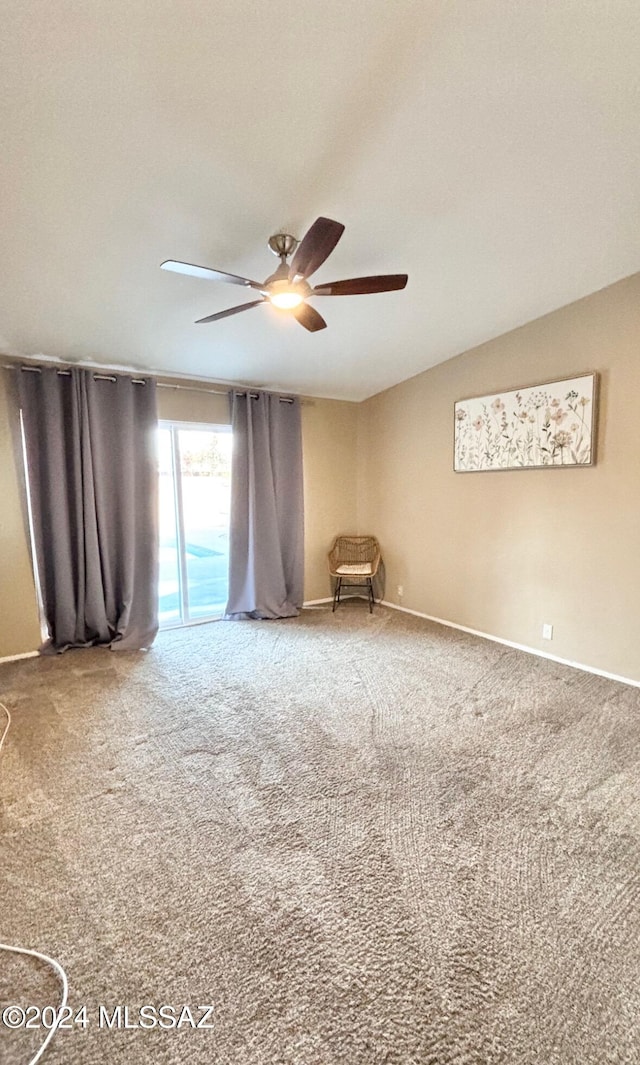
281,274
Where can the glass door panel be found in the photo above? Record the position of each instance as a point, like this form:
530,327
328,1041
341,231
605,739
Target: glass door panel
205,467
194,522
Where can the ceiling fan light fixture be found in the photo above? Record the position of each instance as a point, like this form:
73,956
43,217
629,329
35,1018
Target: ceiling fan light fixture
286,294
286,300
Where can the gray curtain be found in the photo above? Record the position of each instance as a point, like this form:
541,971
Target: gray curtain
92,467
266,549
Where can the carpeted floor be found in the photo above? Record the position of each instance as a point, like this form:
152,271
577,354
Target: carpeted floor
362,840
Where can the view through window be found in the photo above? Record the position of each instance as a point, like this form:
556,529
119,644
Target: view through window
195,488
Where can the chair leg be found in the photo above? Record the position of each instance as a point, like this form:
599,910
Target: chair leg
336,593
370,593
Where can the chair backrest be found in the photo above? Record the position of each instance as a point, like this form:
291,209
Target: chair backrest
354,549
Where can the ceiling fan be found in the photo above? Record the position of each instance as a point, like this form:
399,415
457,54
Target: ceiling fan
288,287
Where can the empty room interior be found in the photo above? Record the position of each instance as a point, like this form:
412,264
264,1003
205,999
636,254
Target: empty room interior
320,617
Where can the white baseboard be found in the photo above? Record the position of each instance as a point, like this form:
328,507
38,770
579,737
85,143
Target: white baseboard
329,599
16,658
517,646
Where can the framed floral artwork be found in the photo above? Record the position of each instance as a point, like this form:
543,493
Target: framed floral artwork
548,425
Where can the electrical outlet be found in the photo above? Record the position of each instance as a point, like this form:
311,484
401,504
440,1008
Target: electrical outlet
547,632
400,591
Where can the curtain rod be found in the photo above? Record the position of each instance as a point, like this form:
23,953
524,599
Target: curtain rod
220,392
141,381
67,373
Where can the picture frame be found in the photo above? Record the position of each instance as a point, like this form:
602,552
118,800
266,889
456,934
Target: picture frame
551,425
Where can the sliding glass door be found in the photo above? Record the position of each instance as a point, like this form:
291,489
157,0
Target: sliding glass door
195,486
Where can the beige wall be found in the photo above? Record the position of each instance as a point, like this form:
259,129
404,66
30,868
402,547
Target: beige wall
329,440
329,430
19,625
188,405
504,552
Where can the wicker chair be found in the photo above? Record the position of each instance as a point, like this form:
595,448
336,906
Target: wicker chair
353,562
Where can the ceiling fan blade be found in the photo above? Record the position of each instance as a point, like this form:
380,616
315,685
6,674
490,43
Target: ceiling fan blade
232,310
316,245
207,272
309,317
359,286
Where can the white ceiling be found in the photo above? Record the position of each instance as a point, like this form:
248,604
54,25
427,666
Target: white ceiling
488,148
